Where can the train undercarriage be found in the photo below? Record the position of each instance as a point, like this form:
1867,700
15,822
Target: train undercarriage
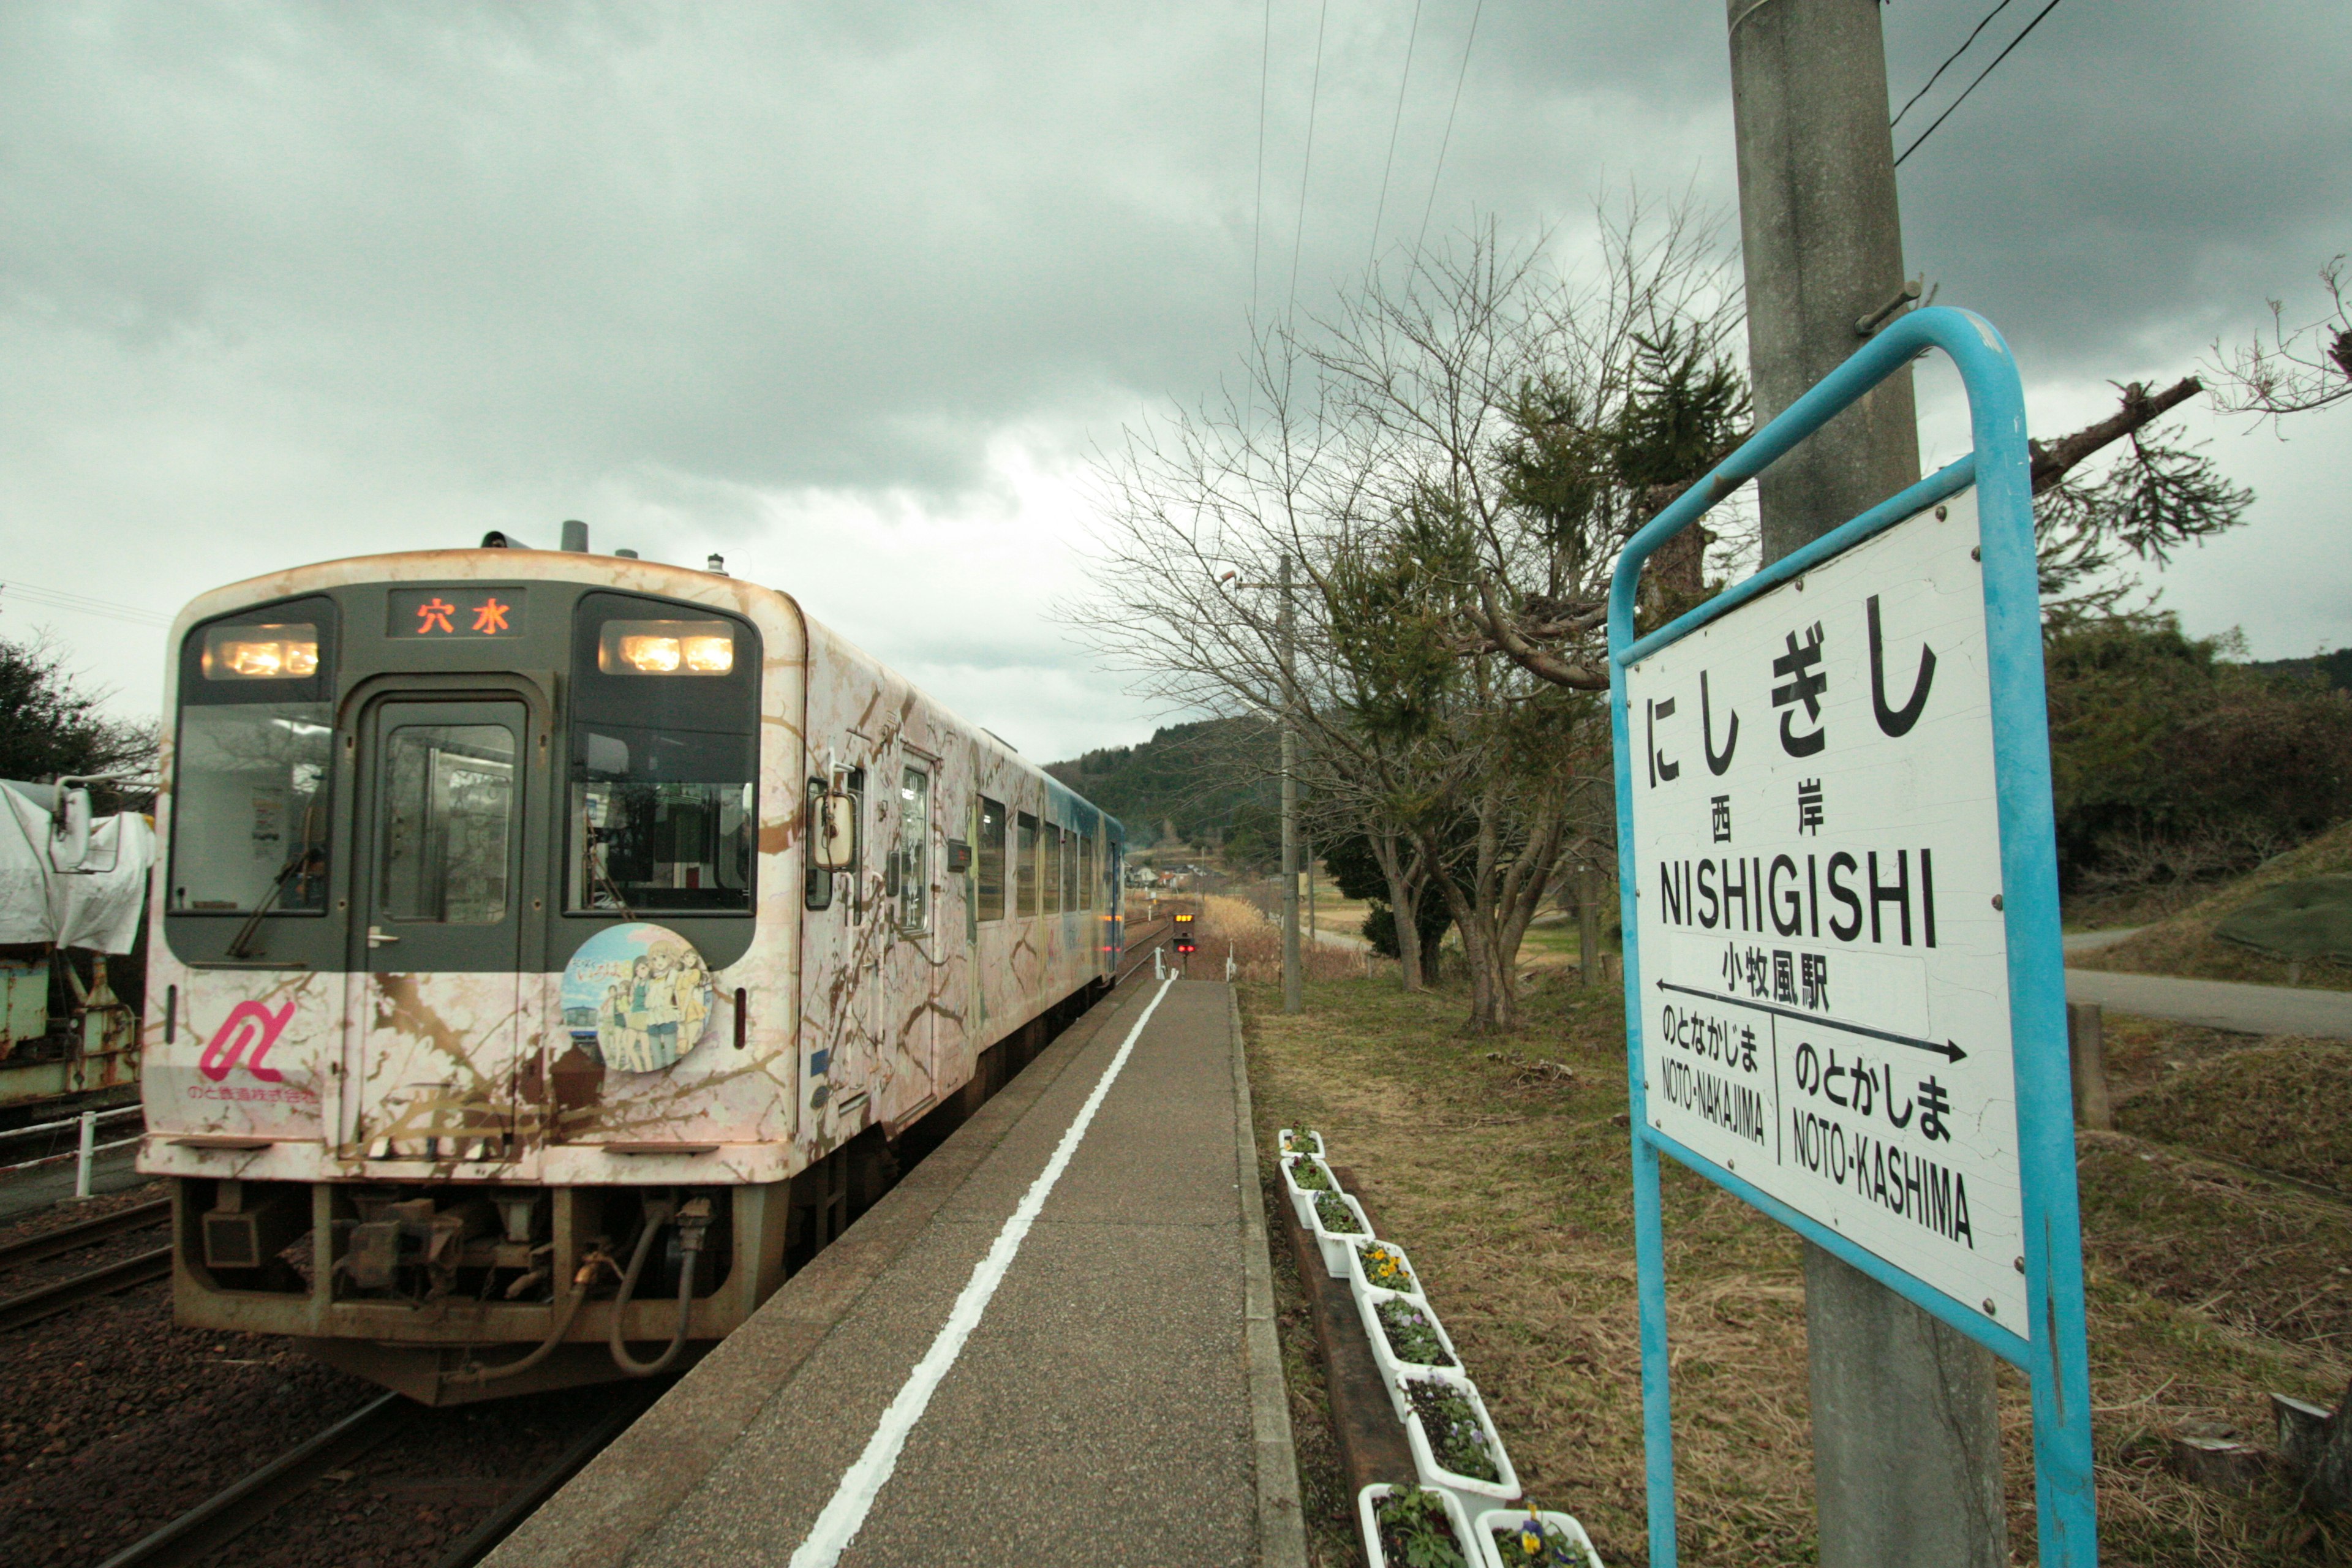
453,1293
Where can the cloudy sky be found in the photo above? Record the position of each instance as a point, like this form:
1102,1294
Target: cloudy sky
852,293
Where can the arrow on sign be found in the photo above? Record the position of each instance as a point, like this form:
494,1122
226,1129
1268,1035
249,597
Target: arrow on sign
1949,1050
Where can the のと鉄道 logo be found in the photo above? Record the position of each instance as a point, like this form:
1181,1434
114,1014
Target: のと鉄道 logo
246,1036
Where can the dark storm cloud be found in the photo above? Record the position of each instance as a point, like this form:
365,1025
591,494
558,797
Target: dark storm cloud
281,282
2134,179
793,247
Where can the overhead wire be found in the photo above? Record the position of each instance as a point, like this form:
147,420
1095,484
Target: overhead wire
1982,22
1447,140
1314,94
81,603
1980,76
1258,219
1380,211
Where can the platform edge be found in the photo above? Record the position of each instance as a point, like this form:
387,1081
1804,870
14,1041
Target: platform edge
1281,1526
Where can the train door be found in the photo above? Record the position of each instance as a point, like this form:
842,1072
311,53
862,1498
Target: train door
910,966
440,897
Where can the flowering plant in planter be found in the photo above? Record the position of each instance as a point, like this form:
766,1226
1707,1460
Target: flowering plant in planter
1383,1267
1419,1527
1302,1176
1411,1333
1337,1217
1308,1141
1453,1442
1338,1222
1457,1438
1526,1537
1407,1340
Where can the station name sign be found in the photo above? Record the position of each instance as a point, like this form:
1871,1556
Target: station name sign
1823,955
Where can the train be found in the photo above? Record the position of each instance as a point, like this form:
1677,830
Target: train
549,952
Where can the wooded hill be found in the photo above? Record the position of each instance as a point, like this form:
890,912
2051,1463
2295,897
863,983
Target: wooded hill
1209,783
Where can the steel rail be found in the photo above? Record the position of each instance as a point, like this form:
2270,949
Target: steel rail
1141,945
49,1299
225,1515
73,1238
536,1488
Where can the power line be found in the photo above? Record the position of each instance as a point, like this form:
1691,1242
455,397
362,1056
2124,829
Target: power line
1314,93
81,603
1257,220
1980,76
1447,141
1982,22
1381,210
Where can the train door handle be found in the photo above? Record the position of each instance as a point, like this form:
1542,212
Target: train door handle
377,936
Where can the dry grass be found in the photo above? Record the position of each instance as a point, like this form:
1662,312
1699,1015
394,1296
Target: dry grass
2283,1104
1509,1188
2184,943
1234,926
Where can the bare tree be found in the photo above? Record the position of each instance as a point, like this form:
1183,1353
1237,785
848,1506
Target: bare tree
2297,369
1387,452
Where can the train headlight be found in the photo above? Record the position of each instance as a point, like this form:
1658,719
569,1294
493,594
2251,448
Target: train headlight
287,652
650,656
666,648
709,655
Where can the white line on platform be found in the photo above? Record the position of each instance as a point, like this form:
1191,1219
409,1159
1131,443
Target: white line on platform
844,1515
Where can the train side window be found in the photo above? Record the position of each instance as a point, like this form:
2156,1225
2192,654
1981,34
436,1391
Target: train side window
1053,899
914,850
991,859
1026,847
1086,898
1070,868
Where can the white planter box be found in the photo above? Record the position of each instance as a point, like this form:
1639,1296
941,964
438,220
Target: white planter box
1291,1141
1456,1518
1302,1199
1475,1494
1393,1366
1359,1284
1336,1244
1495,1519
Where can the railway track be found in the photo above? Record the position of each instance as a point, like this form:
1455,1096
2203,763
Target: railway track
222,1518
1141,944
72,1237
46,1300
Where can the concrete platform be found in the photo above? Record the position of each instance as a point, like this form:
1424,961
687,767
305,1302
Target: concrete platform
1111,1377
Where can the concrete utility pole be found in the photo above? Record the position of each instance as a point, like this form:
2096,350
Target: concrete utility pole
1906,1442
1292,999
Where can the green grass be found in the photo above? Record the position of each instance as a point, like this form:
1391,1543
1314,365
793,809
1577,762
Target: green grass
1511,1194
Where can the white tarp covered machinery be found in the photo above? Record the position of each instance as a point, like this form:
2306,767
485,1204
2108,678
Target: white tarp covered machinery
68,881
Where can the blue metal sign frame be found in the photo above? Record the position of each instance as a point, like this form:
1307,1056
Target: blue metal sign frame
1999,467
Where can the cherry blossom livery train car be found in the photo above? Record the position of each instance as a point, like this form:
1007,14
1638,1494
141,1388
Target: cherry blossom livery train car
552,952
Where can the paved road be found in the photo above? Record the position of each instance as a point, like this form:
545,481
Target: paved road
2218,1004
26,1191
2092,940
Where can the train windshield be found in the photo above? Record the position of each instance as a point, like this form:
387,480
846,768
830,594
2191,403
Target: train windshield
660,819
249,806
251,811
664,760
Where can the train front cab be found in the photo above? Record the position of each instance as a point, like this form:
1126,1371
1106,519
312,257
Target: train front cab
482,917
406,1122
